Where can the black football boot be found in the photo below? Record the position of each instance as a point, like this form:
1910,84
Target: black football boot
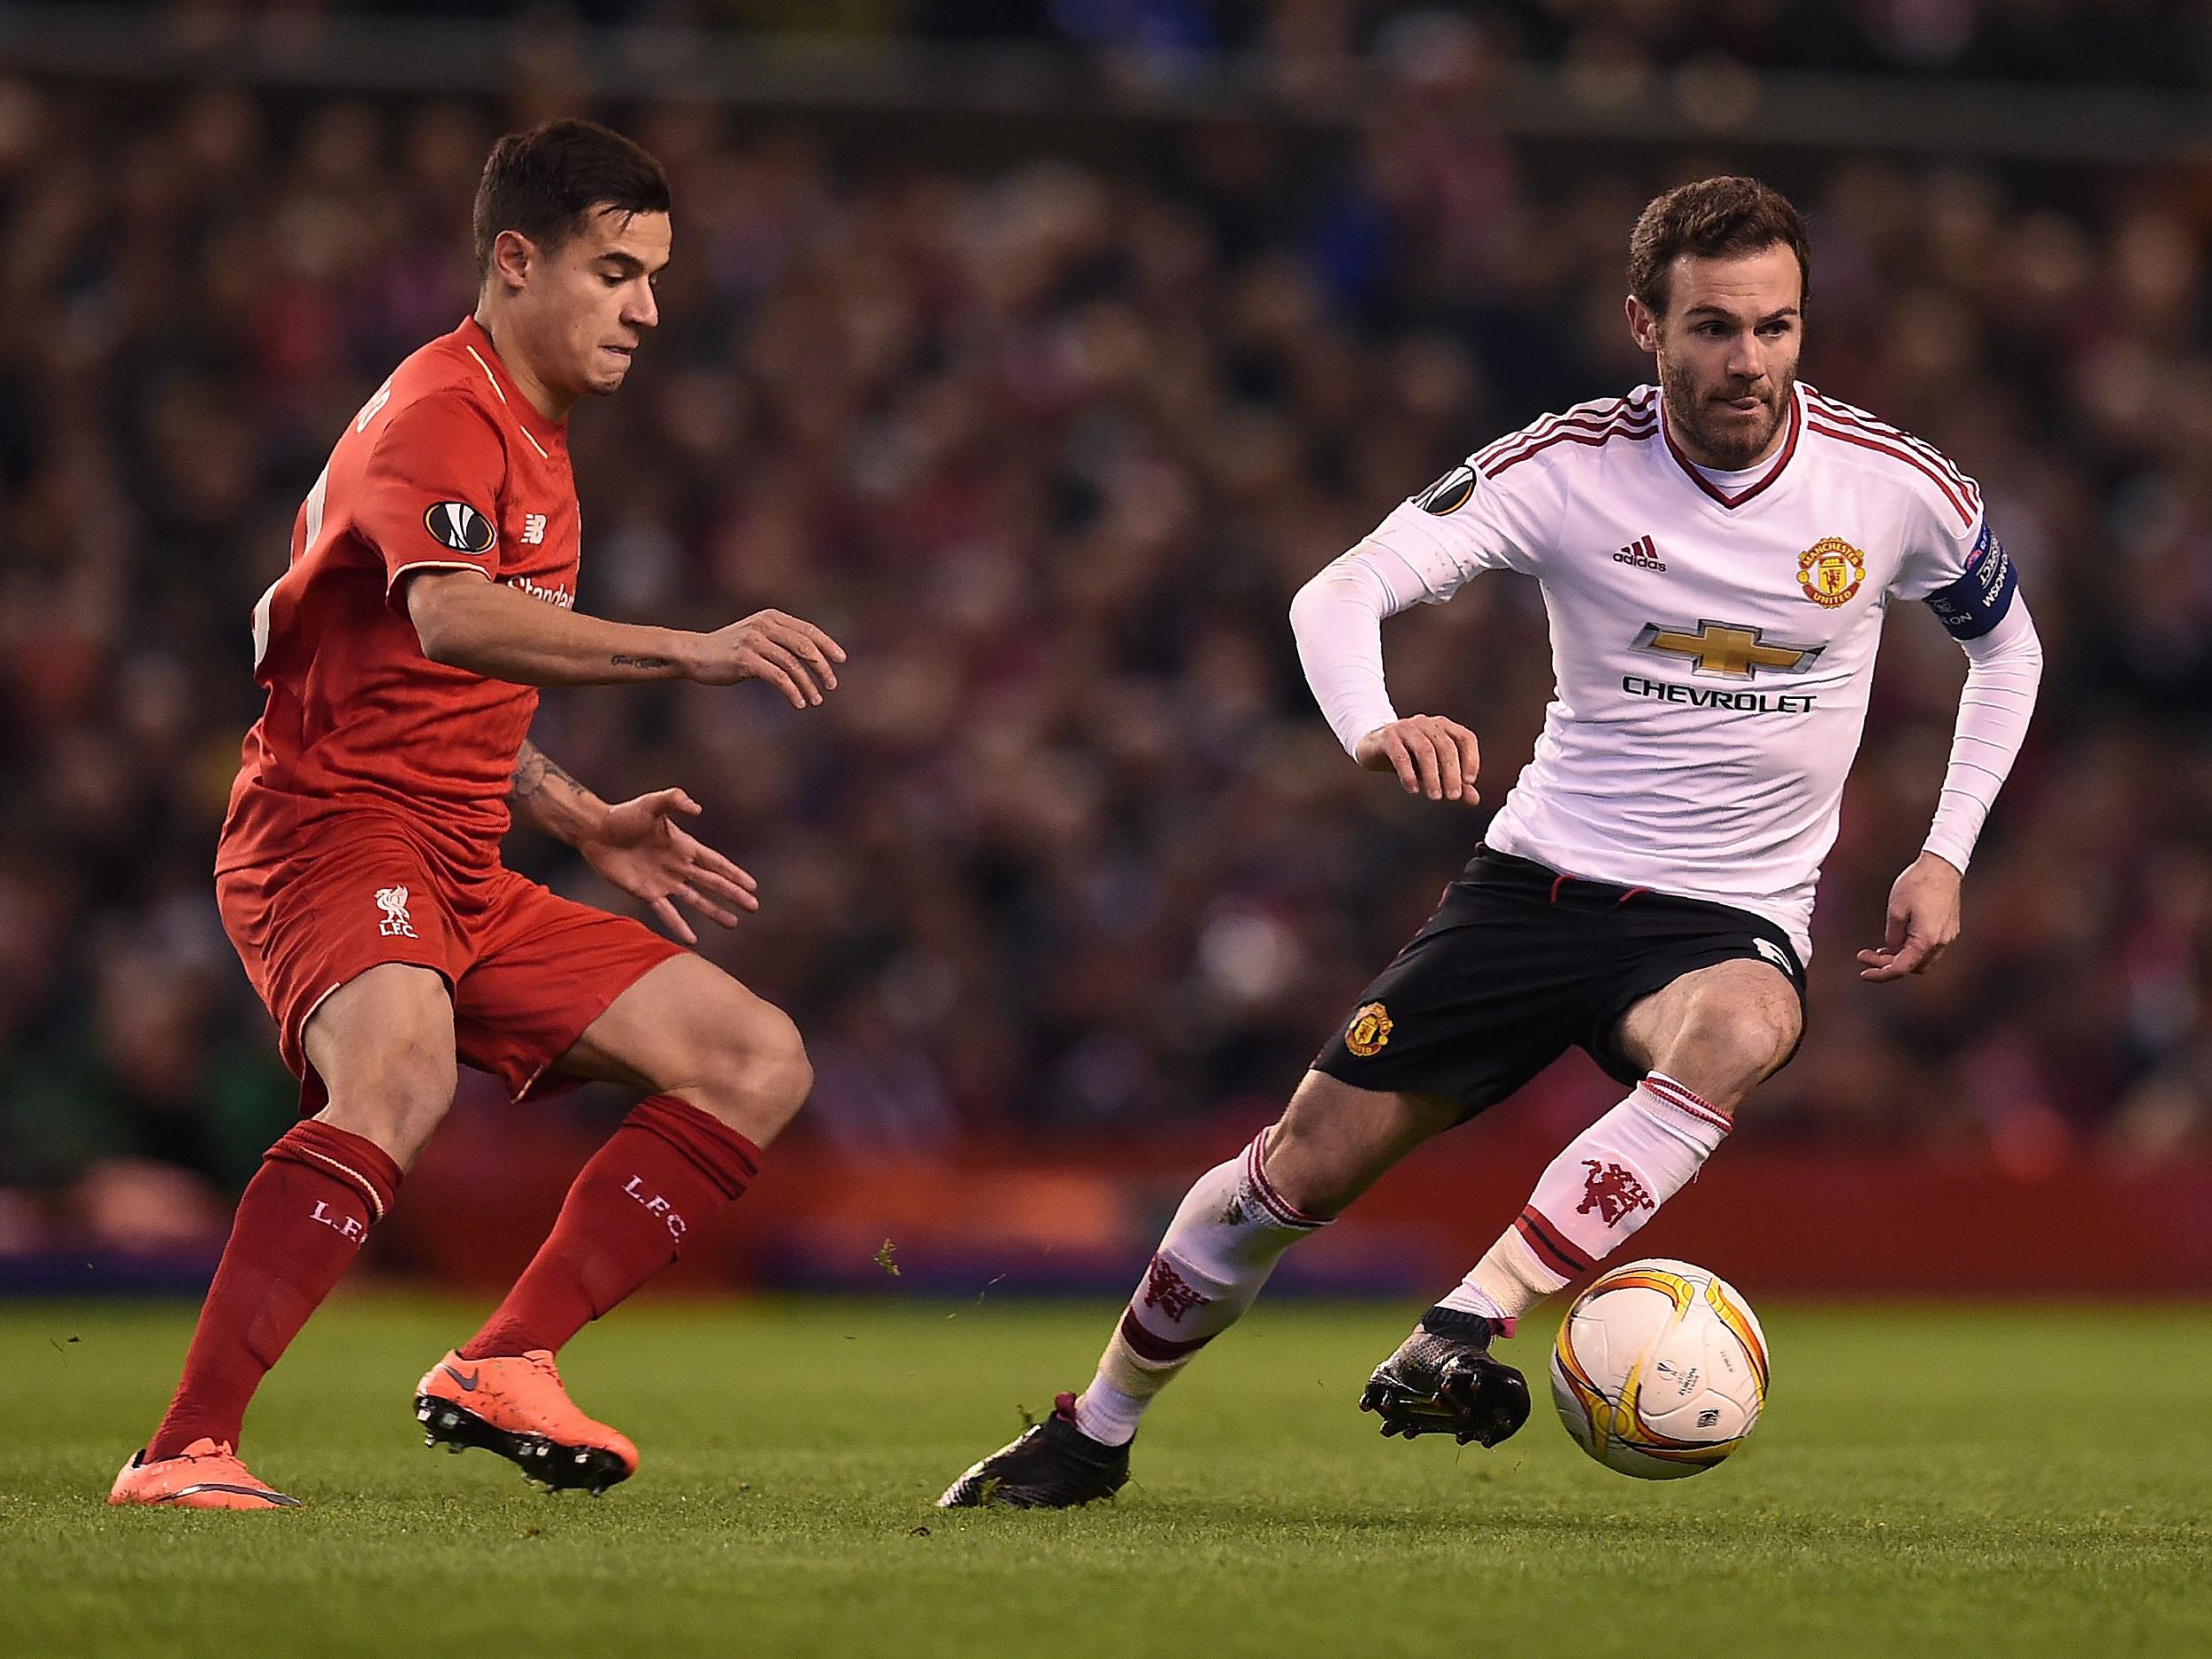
1442,1381
1053,1465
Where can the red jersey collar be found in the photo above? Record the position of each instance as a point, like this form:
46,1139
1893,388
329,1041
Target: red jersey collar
548,434
1773,471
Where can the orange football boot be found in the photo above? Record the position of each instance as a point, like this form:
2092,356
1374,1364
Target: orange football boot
517,1408
205,1475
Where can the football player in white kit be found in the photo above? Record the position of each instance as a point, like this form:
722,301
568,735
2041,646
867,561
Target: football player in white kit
1715,555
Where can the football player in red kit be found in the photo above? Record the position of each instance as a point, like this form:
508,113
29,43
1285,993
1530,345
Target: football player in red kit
430,591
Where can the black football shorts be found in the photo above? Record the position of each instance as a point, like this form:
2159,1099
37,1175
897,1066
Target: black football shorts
1519,964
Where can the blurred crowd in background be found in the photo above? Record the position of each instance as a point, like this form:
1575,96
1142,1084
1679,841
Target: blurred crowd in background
2131,42
1049,444
2136,42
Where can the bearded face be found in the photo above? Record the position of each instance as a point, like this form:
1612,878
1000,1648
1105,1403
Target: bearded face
1727,350
1724,420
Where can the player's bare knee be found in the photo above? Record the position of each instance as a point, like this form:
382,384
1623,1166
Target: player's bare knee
760,1075
396,1096
1725,1047
1763,1030
383,1045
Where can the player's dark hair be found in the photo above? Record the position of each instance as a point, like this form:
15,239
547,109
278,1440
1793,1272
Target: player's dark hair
545,181
1712,218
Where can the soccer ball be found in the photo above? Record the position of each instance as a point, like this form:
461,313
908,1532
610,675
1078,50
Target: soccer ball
1660,1370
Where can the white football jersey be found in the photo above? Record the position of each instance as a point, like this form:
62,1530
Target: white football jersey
1713,634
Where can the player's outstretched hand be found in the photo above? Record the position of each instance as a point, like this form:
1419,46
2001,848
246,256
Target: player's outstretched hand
641,850
1924,919
792,656
1431,756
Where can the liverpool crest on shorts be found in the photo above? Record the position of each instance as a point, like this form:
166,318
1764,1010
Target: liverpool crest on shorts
1831,571
1369,1031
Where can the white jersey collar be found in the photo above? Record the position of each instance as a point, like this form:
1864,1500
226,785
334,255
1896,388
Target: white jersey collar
1766,478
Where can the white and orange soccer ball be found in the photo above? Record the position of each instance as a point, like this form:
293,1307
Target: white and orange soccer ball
1660,1370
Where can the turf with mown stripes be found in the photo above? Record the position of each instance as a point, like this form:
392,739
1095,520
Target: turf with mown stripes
1947,1482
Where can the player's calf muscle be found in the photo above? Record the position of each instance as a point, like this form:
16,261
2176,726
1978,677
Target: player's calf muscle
1335,1142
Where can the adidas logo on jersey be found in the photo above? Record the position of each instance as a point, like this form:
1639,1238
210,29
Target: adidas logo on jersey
1642,554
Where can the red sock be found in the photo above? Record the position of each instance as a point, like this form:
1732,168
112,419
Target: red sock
663,1176
299,1226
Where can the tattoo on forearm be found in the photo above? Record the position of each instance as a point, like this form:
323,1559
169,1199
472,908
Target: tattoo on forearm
623,660
534,769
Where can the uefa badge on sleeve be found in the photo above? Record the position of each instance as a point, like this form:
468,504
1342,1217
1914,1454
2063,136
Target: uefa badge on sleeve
456,524
1449,492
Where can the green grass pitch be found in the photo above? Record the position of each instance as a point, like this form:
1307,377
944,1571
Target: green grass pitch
1926,1481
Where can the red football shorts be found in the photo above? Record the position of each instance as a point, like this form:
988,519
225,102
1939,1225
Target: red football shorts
527,969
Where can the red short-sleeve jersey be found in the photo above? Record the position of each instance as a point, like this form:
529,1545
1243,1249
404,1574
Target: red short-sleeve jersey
446,467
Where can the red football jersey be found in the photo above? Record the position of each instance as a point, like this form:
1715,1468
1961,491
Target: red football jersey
447,467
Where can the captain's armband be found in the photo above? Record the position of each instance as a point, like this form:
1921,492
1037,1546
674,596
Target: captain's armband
1978,601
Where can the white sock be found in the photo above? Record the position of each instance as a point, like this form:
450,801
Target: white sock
1468,1296
1610,1181
1232,1229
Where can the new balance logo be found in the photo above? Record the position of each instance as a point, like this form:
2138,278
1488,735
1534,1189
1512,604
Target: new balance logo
656,1205
534,527
1642,554
1772,952
397,923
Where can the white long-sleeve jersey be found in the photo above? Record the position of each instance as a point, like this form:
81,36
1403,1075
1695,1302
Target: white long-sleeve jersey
1713,637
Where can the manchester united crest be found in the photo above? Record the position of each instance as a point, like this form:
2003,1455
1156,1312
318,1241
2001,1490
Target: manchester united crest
1831,571
1369,1032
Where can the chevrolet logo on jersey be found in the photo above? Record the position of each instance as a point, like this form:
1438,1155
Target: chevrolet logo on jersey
1738,651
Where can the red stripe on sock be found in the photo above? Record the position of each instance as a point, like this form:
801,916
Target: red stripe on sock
661,1179
1558,1254
1582,1260
1542,1251
1158,1350
1669,1092
1278,1206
